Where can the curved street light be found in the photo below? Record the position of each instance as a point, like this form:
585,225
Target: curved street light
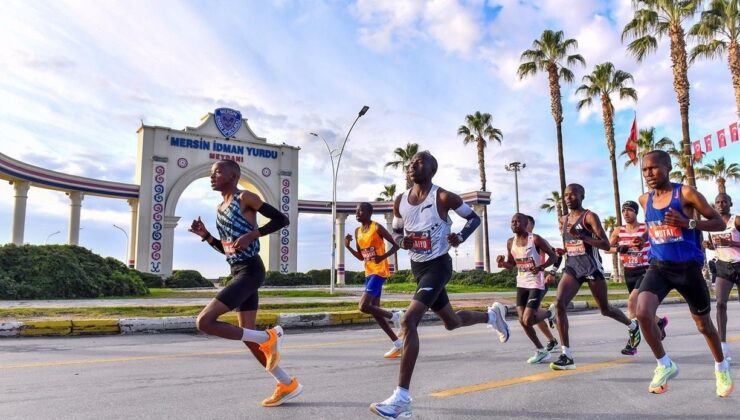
125,254
50,235
516,167
335,174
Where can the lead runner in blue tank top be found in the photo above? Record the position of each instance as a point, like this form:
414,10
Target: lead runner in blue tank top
236,221
676,260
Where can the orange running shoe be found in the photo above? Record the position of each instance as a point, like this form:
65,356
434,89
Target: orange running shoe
394,353
283,393
271,347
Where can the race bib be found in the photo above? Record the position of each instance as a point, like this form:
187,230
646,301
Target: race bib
524,265
228,247
727,236
662,233
634,258
575,248
368,253
422,242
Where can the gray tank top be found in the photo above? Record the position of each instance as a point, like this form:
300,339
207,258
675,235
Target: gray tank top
583,259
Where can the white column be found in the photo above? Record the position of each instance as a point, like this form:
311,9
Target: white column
341,218
393,263
134,205
479,240
19,210
75,198
168,242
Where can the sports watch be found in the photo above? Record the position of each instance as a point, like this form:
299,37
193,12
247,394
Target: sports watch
692,224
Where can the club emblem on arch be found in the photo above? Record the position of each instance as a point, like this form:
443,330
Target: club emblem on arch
228,121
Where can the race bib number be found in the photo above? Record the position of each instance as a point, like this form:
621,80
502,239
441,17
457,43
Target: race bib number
524,265
368,253
634,258
661,233
228,247
716,237
422,242
575,248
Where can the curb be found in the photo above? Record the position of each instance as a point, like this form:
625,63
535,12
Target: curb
187,324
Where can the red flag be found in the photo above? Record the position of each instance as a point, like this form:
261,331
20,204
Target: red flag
631,146
733,132
697,149
708,142
721,139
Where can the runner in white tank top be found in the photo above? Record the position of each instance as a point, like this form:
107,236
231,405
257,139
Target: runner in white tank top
425,227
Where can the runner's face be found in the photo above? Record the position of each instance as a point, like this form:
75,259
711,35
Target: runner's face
572,198
518,224
722,204
629,215
654,173
221,177
362,215
420,169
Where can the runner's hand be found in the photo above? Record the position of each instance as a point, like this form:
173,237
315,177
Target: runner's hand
407,242
454,239
549,279
500,261
674,218
198,228
536,269
560,252
243,241
723,242
638,242
348,241
377,259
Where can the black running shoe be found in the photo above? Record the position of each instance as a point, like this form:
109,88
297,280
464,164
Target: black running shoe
635,336
629,350
662,323
563,363
552,344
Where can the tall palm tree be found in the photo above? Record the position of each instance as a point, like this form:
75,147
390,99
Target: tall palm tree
610,223
479,130
719,171
718,31
554,203
388,193
654,19
604,81
550,54
404,156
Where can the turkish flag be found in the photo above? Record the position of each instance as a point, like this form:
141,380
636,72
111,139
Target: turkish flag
721,139
697,149
733,132
631,146
708,142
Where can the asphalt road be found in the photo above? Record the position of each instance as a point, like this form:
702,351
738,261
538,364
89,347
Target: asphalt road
342,370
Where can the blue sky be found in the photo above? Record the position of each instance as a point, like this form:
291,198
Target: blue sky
79,77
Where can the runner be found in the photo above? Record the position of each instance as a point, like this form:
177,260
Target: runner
630,242
236,221
422,226
676,260
524,254
583,236
549,280
371,249
726,246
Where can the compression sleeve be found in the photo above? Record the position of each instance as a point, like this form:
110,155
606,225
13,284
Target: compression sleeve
464,210
471,225
216,244
277,220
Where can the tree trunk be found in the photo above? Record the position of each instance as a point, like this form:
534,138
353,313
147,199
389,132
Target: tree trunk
606,108
482,172
485,238
681,86
734,61
557,114
721,185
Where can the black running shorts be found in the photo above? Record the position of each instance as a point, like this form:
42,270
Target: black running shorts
431,278
685,277
633,277
241,292
529,298
729,271
596,276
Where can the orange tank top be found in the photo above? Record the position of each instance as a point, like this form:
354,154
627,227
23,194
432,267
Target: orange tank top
371,244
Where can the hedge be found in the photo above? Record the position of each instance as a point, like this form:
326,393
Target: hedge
187,278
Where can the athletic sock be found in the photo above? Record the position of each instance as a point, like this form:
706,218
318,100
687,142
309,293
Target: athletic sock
402,393
721,366
398,343
254,336
664,361
280,375
725,347
633,325
566,351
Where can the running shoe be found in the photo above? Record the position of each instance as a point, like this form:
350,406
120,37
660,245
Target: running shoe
392,408
563,363
629,350
662,323
271,347
541,355
394,353
396,319
552,344
499,323
724,383
635,336
662,374
283,393
552,317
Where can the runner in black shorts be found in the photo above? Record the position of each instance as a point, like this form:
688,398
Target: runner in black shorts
236,220
549,280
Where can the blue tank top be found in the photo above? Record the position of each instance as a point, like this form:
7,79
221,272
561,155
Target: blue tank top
231,224
670,243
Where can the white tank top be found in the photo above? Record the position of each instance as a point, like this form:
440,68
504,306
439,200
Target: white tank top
526,258
423,224
726,253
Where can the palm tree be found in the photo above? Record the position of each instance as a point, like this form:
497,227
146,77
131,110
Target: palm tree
719,171
610,223
478,130
547,55
404,156
602,83
654,19
718,31
554,203
388,193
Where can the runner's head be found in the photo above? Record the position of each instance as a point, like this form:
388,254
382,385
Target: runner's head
225,175
519,223
364,212
422,167
656,168
629,211
574,195
530,224
723,204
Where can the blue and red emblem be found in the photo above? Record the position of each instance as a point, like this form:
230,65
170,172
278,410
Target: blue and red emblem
228,121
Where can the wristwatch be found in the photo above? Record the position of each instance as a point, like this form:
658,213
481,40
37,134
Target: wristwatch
692,224
460,238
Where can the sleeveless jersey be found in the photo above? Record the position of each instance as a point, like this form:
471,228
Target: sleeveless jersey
371,244
634,257
526,258
583,259
727,253
671,243
231,224
423,224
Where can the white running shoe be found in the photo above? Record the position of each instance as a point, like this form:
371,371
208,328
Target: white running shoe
394,352
499,323
392,408
541,355
396,319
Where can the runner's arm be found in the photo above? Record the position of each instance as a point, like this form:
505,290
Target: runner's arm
397,225
277,220
613,241
543,245
714,222
508,262
355,252
387,236
452,201
594,224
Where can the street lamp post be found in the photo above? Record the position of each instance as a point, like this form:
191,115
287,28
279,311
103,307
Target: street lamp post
125,256
516,167
335,174
50,235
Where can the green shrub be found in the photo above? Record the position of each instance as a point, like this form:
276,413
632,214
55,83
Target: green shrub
187,278
151,281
